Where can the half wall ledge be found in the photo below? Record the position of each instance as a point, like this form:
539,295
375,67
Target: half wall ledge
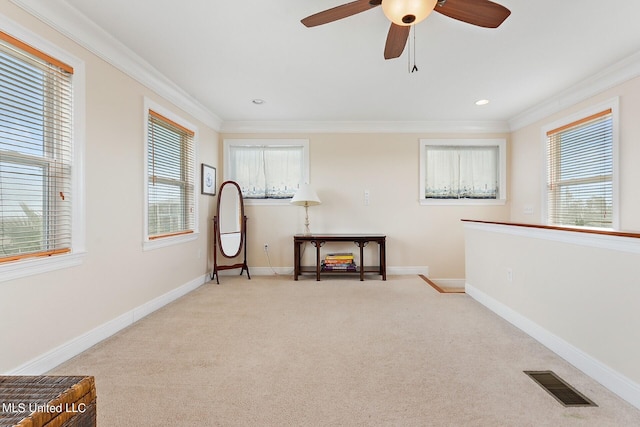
573,290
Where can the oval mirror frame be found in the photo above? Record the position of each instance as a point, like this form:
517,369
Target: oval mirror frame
230,213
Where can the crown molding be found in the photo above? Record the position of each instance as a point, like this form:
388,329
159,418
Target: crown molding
70,22
364,127
611,76
73,24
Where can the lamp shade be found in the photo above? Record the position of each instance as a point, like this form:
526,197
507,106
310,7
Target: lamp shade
305,196
407,12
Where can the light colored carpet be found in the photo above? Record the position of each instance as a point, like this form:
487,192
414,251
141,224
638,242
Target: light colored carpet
340,352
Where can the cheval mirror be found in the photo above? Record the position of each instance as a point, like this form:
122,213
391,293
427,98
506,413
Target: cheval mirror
229,229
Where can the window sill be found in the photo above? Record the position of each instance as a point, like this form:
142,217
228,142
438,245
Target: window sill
462,202
149,245
267,202
29,267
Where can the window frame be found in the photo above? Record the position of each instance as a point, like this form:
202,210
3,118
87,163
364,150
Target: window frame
613,105
501,143
227,143
38,265
155,242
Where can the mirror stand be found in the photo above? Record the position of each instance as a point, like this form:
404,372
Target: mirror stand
217,268
229,229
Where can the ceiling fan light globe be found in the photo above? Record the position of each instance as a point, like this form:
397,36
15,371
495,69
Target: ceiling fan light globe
407,12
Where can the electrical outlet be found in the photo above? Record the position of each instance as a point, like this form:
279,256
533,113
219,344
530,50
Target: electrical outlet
366,197
509,275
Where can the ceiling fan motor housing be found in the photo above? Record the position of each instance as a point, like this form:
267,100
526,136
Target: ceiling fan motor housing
407,12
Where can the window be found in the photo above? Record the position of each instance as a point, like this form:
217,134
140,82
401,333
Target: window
36,153
462,171
267,170
170,188
580,170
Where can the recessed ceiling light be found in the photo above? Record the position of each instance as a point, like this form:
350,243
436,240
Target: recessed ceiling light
258,101
482,102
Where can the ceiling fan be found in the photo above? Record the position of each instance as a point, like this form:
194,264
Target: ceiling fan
405,13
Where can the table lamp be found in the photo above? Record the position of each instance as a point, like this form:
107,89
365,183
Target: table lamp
305,196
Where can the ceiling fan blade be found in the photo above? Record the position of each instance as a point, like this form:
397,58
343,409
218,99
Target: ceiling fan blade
396,41
483,13
339,12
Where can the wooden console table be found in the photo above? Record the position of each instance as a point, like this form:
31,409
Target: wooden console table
318,240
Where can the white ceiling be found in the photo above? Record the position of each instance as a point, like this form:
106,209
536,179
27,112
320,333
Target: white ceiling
226,53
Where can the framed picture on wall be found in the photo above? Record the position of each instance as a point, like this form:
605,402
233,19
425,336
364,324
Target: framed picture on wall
208,177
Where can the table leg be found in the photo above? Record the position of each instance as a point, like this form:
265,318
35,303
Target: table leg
296,260
361,244
318,261
383,260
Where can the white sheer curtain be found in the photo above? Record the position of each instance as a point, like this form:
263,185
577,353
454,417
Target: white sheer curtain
461,172
262,172
282,171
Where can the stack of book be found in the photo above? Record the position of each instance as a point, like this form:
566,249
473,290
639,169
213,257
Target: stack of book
339,262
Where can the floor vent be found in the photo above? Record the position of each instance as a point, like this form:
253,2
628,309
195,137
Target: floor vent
559,389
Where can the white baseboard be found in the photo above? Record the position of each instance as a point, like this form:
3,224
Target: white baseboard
611,379
260,271
64,352
400,271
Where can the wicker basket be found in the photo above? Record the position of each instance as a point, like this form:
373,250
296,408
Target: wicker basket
51,401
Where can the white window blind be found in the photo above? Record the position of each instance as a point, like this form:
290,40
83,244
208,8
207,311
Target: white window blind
171,176
36,153
580,172
267,172
461,172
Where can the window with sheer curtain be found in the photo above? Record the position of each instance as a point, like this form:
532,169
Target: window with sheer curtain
462,171
266,169
580,171
36,153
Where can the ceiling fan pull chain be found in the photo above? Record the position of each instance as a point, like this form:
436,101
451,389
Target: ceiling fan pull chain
409,57
413,47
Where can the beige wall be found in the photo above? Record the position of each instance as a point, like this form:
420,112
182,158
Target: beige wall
41,312
342,166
